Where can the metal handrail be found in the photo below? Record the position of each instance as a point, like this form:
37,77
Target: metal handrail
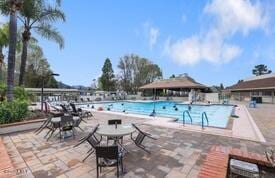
204,116
183,116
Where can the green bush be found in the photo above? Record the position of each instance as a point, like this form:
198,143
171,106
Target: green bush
20,94
13,111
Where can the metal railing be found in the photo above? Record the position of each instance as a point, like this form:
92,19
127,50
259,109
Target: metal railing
188,114
204,116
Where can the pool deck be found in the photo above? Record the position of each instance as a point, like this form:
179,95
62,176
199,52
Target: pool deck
175,153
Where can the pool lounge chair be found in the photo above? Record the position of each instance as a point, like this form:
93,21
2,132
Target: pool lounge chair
79,112
52,110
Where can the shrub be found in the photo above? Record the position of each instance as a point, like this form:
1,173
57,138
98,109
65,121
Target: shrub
20,94
13,111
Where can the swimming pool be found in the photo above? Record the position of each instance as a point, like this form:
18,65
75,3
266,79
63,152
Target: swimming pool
218,115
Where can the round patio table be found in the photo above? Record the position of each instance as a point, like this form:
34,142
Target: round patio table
116,132
112,131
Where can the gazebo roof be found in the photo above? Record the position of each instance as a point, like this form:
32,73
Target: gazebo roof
175,83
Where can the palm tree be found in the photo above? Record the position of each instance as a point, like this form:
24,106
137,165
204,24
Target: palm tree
4,41
37,15
10,7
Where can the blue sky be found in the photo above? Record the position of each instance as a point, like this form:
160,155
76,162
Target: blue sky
214,41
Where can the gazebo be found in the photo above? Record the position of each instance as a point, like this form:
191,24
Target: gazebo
178,86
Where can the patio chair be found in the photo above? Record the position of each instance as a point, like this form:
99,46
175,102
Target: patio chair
79,112
66,124
140,137
45,124
56,112
84,139
108,156
64,108
92,140
113,122
53,126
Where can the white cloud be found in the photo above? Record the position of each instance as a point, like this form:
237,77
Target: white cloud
151,34
228,18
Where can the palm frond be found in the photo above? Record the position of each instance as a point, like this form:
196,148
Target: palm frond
51,14
4,7
50,33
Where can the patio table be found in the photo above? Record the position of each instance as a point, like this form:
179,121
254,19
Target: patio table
116,131
113,131
57,120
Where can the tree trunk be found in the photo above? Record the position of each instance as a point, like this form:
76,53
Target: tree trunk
12,52
24,55
1,63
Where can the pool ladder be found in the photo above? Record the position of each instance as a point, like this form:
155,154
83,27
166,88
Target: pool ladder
188,114
204,117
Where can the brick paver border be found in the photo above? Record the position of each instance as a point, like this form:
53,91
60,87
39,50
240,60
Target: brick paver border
6,166
216,163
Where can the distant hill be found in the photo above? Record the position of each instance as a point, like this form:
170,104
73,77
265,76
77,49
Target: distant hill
63,85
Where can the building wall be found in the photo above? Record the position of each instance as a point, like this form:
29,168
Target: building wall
268,96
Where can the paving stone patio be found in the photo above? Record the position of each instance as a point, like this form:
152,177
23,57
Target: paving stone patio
175,153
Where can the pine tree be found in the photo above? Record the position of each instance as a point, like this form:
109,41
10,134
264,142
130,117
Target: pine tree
107,78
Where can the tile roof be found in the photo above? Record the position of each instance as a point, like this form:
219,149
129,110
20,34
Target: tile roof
263,83
178,82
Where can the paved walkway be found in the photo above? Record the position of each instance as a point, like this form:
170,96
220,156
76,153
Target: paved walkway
176,153
264,116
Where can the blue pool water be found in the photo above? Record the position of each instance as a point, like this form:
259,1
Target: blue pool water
217,114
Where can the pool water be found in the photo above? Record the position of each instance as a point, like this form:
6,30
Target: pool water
218,115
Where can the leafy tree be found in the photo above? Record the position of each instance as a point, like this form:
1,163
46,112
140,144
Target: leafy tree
37,15
38,69
221,86
11,7
107,79
136,71
173,76
261,70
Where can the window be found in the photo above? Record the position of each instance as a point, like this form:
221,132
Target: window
255,93
267,93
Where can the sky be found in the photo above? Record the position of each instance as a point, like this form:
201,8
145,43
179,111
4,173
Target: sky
214,41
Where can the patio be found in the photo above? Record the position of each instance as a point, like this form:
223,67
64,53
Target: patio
176,153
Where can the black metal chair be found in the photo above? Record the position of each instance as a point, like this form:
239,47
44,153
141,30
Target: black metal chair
45,124
92,140
108,156
52,128
83,139
113,122
66,124
140,137
79,112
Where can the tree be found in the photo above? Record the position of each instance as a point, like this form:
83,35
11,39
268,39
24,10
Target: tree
4,41
38,68
136,71
107,78
10,7
261,70
173,76
37,15
221,86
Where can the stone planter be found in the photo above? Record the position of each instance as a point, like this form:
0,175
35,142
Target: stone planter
20,126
